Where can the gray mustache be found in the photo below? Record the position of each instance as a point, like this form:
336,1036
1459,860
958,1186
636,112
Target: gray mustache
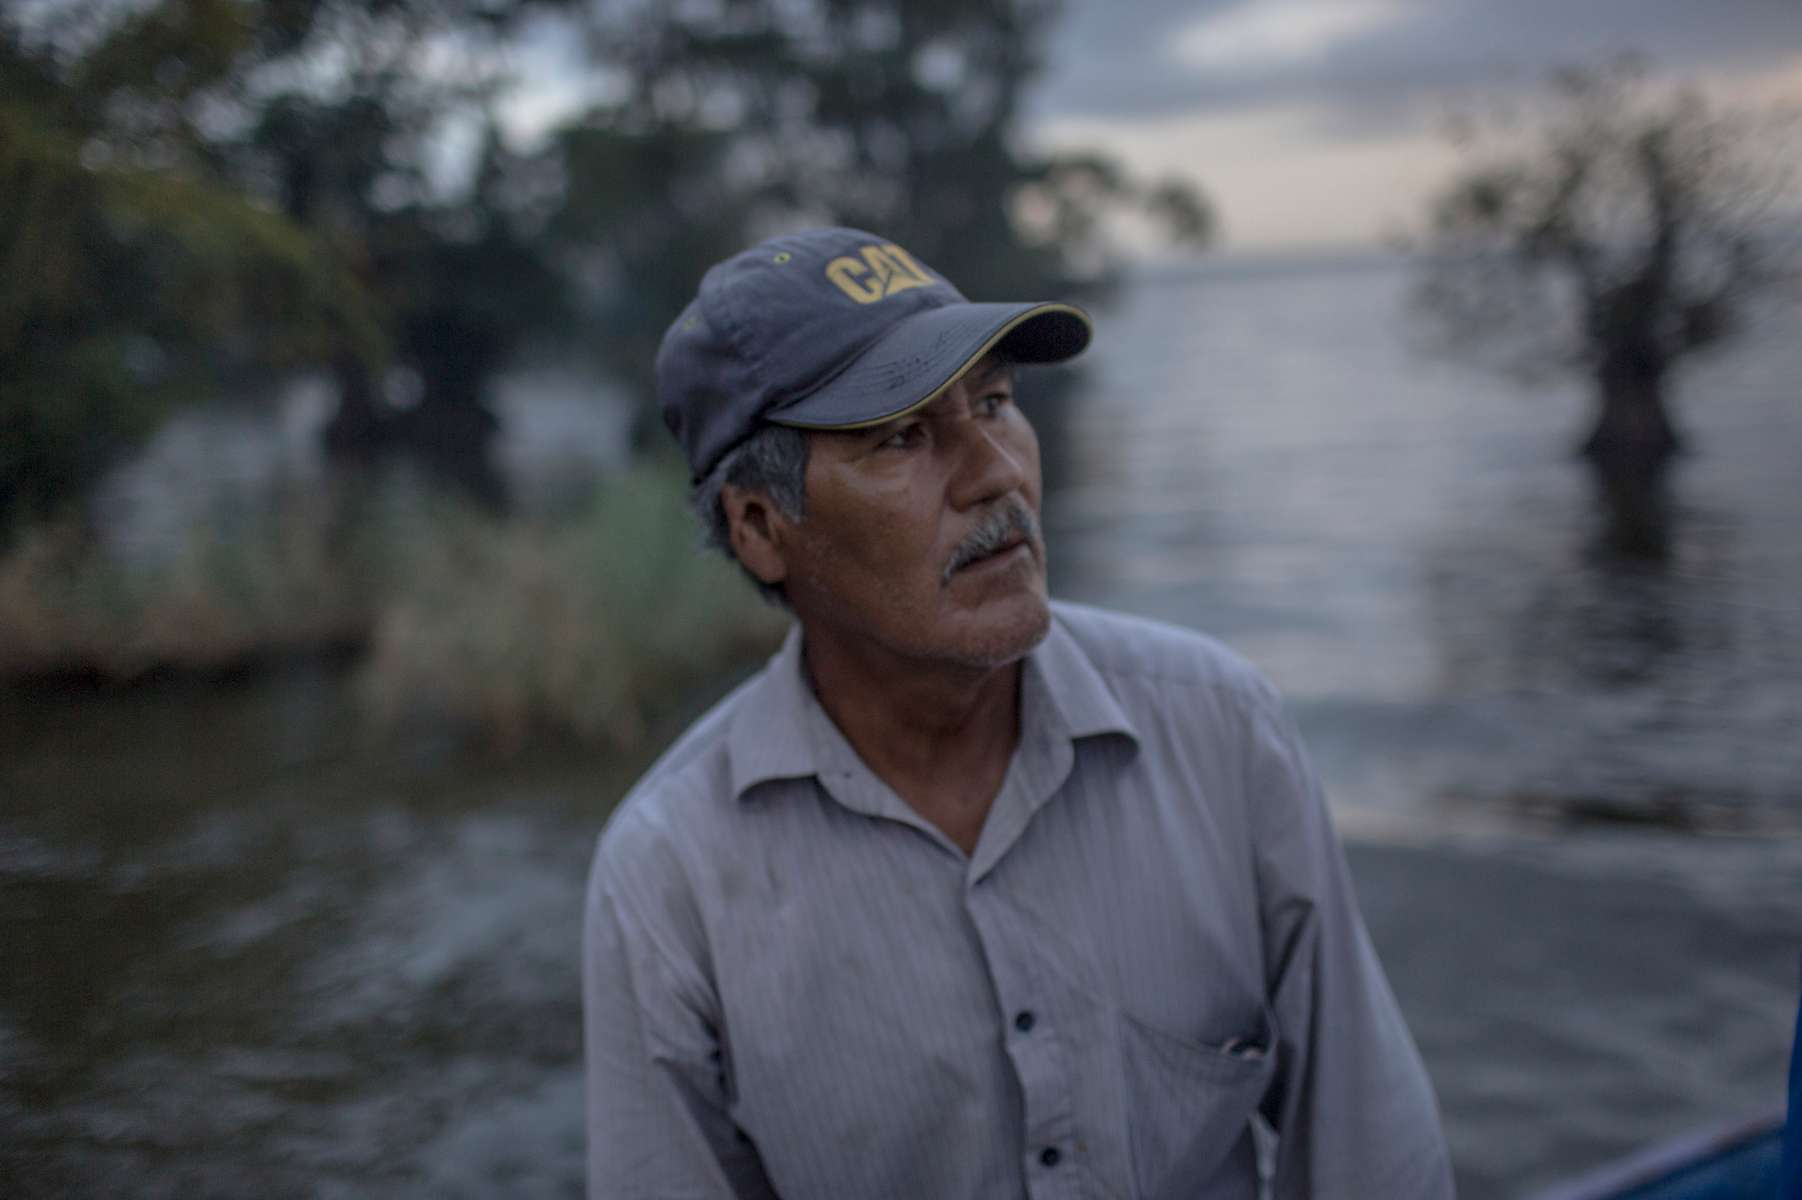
1008,521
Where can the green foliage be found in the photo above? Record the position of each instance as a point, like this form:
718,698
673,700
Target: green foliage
197,196
901,118
129,291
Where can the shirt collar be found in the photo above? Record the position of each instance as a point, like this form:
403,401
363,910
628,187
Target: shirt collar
771,736
768,738
1075,699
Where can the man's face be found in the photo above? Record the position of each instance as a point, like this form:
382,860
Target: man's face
896,513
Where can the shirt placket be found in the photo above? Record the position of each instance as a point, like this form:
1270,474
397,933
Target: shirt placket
1036,1044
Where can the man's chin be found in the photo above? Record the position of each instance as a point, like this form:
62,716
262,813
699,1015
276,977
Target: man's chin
1004,630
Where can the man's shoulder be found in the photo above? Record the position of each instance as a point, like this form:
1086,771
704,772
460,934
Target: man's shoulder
677,791
1142,655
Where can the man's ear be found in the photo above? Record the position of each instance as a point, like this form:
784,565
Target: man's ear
757,531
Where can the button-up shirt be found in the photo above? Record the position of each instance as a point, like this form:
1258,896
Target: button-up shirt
1149,978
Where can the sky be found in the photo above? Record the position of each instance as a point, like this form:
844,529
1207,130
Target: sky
1312,123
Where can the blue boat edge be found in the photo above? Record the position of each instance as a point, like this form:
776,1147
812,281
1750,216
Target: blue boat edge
1736,1159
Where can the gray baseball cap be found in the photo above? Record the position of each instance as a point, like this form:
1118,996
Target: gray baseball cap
832,329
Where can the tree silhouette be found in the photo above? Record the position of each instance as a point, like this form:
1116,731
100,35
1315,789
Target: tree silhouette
197,196
1620,237
137,279
727,123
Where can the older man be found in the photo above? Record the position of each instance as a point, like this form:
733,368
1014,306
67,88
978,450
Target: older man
966,894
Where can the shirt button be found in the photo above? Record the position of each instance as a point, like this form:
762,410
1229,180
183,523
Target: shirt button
1024,1021
1049,1156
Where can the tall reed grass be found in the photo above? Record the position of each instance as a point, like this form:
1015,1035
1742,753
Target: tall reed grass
584,626
266,581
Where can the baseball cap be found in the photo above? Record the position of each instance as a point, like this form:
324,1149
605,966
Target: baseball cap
832,329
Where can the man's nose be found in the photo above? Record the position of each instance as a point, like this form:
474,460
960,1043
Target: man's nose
988,466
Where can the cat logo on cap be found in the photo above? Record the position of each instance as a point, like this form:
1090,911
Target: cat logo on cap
879,273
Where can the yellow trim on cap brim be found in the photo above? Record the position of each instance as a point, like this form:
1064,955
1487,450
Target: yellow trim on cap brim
935,393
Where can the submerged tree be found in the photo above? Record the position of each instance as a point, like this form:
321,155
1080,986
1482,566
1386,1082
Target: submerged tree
1620,238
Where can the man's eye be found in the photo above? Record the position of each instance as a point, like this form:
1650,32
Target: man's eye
903,438
993,403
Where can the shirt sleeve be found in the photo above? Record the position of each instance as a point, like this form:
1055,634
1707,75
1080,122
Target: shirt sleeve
1352,1106
657,1074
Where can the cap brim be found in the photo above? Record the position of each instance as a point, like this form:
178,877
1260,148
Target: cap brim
923,354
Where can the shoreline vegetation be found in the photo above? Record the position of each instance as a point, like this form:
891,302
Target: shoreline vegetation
586,625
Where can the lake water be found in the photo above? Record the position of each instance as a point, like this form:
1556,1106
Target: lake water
1408,547
246,951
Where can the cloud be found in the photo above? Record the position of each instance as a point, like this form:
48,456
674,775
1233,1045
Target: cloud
1321,121
1163,57
1277,34
1274,180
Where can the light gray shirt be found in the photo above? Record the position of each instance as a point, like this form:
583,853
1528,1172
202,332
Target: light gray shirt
794,985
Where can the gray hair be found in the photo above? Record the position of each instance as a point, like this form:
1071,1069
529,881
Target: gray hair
773,462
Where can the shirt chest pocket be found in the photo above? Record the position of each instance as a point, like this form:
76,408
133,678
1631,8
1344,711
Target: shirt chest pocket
1189,1103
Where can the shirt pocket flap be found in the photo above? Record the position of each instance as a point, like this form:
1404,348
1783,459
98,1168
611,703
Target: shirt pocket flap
1190,1102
